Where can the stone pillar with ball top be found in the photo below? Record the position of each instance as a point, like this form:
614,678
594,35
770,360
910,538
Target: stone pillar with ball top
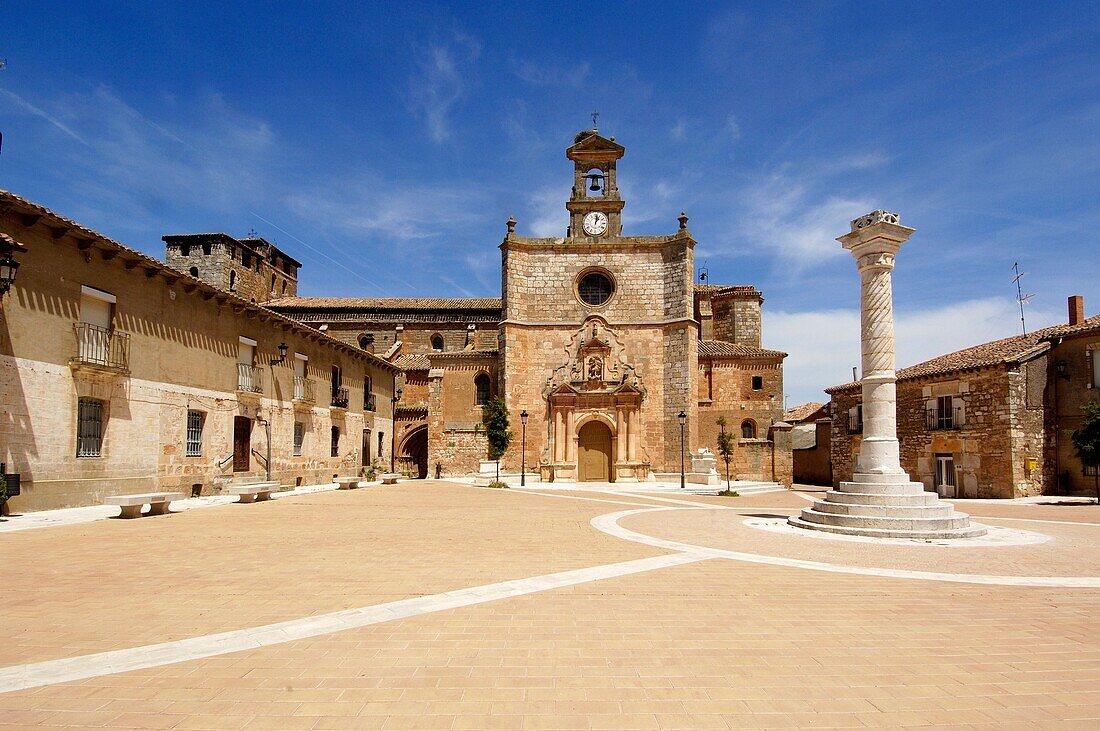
881,500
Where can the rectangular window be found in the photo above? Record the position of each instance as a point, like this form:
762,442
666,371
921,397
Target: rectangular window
335,441
381,435
1095,368
89,427
299,434
1091,471
195,420
368,397
757,383
945,412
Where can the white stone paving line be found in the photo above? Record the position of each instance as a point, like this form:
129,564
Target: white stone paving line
50,672
92,513
609,524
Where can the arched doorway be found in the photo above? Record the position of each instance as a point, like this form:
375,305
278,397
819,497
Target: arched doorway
414,453
594,458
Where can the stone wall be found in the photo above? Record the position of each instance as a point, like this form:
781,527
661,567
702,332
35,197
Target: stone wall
1066,394
737,315
725,390
812,466
250,268
456,431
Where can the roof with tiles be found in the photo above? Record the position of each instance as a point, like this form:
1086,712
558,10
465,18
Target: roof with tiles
723,349
1016,349
412,362
387,303
801,412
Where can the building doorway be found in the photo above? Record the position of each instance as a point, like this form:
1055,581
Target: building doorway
414,453
946,485
242,444
594,458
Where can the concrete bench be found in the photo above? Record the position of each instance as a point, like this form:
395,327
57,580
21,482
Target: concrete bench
389,478
131,505
255,492
347,483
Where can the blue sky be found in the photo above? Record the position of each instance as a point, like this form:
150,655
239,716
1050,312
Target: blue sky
384,145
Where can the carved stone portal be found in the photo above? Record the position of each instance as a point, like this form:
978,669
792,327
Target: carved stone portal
594,383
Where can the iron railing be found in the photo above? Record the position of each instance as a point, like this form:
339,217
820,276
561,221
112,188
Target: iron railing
368,402
340,397
941,419
102,346
248,378
303,389
855,424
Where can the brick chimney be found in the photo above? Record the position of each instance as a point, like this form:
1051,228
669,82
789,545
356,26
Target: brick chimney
1076,309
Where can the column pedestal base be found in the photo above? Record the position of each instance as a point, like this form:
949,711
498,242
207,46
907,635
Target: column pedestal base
886,506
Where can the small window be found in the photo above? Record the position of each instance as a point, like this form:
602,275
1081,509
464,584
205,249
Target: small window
595,289
368,394
194,272
232,281
195,421
437,342
206,249
366,340
299,435
381,436
284,287
335,441
246,258
1090,470
185,250
757,383
481,386
89,427
272,282
748,429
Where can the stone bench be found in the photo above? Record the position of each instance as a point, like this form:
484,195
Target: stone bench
255,492
131,505
389,478
347,483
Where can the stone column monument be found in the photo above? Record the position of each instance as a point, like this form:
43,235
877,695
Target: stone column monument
881,500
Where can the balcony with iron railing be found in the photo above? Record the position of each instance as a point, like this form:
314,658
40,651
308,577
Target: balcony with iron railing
303,390
855,424
340,397
369,402
943,419
101,349
249,379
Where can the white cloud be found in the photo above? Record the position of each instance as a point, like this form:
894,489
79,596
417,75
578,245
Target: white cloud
733,127
26,106
440,81
543,74
824,345
549,217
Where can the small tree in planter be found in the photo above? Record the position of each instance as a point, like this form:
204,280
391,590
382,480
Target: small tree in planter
1086,440
3,494
725,448
496,429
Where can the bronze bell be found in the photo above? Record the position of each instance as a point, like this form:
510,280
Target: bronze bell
594,180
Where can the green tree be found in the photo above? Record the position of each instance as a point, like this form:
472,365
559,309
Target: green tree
496,429
725,447
1086,440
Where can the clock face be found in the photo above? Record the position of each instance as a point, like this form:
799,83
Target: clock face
595,223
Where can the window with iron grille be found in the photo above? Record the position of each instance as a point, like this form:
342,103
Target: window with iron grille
335,441
195,420
299,433
89,427
1090,470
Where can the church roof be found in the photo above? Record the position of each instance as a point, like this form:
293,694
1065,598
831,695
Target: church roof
386,303
723,349
411,362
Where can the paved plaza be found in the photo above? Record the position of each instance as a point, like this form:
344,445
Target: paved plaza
445,605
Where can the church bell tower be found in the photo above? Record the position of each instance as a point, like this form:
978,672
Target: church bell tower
595,207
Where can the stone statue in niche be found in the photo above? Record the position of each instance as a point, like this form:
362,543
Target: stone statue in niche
595,368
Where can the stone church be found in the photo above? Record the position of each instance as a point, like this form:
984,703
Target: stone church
604,339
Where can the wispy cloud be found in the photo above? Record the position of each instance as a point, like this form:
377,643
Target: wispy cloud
440,80
26,106
549,74
547,209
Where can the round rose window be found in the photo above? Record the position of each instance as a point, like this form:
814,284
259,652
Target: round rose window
595,288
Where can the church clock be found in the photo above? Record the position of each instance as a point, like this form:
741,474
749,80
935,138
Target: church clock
595,223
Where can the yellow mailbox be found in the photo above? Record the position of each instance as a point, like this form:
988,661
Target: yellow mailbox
1030,463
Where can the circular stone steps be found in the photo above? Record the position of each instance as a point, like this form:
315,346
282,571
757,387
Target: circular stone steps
853,498
972,531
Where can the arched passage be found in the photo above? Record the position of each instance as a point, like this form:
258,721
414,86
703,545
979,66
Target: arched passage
594,460
414,452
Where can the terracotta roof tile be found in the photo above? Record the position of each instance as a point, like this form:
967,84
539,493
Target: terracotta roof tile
800,412
386,303
723,349
1015,349
412,362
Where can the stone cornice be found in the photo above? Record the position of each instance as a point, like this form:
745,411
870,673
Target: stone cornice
616,323
523,243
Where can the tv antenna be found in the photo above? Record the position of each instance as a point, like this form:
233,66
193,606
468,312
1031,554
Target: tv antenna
1022,298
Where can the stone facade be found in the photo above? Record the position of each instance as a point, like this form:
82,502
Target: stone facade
252,268
168,345
603,374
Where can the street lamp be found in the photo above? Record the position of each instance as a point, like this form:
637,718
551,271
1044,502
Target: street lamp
683,420
9,267
523,448
282,348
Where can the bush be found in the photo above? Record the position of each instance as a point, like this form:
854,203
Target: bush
729,493
498,484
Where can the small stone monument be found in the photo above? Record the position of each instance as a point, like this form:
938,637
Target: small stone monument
703,465
881,500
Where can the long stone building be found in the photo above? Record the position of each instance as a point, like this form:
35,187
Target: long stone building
603,338
990,421
120,374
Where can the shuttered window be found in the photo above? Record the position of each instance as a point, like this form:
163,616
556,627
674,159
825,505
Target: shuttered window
89,427
299,434
195,421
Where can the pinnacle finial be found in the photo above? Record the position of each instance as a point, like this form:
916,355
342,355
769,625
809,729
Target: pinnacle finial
511,224
683,218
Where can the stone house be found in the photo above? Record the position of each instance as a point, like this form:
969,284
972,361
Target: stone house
251,268
811,437
121,374
602,338
990,421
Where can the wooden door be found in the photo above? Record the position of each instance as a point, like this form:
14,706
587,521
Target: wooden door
242,443
594,459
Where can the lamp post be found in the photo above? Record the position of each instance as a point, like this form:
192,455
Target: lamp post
683,420
9,267
523,448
